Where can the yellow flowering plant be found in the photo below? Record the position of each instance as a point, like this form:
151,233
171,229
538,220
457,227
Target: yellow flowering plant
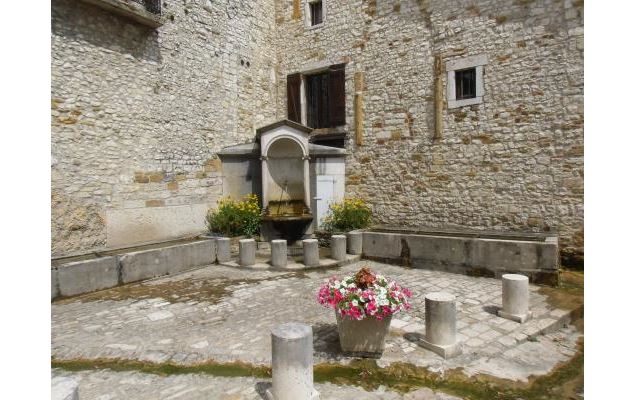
350,214
235,217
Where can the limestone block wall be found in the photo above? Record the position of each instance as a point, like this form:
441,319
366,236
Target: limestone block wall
138,115
511,163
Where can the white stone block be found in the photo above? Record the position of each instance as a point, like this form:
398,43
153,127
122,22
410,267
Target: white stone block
338,247
247,252
292,363
441,325
223,249
311,252
279,253
515,298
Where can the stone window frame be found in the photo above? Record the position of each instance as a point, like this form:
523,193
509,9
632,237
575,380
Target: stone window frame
307,14
478,62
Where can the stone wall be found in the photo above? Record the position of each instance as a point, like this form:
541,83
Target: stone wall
138,115
512,163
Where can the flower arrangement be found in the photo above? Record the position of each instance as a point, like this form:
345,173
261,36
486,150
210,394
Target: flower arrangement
235,218
352,213
364,295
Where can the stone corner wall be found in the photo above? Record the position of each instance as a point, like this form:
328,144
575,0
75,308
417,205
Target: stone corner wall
138,115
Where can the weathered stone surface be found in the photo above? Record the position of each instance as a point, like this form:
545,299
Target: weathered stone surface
87,276
279,253
217,305
310,252
246,252
63,388
338,247
167,260
223,249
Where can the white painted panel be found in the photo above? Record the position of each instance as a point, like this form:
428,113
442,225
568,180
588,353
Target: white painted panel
324,196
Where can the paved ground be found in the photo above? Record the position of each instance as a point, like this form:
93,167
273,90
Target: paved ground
225,314
108,385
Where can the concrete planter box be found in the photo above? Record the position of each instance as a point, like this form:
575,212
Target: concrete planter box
366,337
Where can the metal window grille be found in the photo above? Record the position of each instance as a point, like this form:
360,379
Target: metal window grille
465,83
316,12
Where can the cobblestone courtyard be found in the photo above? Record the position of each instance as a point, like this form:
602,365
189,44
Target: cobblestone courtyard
225,314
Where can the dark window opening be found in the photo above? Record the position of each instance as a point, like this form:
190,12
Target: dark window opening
465,83
317,104
316,12
325,98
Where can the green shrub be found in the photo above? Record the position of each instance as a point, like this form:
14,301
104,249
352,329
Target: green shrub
235,218
350,214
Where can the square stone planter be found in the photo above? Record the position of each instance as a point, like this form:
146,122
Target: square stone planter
364,338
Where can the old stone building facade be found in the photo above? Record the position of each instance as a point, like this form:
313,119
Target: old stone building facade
139,113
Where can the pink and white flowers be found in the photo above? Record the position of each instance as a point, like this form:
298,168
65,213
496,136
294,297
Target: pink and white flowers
364,295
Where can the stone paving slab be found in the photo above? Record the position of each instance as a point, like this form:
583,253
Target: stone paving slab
293,264
109,385
226,314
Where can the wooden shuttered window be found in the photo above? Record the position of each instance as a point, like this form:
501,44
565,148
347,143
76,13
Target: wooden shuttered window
337,95
326,98
294,108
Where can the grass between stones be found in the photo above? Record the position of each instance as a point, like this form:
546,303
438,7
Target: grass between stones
561,383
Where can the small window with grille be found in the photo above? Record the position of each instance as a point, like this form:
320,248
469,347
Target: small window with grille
316,12
465,83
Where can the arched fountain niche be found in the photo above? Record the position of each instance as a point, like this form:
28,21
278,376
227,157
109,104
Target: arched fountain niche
295,180
285,191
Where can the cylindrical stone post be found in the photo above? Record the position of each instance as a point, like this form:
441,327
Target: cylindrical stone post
247,252
354,242
515,298
441,324
292,363
338,247
279,253
223,249
311,252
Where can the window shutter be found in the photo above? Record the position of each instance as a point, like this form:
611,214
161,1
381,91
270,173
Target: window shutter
337,96
294,110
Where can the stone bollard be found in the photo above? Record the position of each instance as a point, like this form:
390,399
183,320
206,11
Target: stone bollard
279,253
441,325
338,247
292,363
311,252
247,252
223,249
64,389
515,298
354,242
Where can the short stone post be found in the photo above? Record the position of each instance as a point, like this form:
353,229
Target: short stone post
311,252
354,242
279,253
441,325
338,247
515,298
63,388
292,363
247,252
223,249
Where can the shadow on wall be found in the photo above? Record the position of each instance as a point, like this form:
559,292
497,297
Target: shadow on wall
81,22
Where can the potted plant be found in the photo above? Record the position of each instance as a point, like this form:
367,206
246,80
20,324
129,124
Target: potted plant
364,304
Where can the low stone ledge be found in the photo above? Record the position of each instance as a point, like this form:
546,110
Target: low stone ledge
473,256
87,276
167,260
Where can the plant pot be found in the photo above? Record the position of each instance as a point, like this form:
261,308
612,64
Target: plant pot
366,337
